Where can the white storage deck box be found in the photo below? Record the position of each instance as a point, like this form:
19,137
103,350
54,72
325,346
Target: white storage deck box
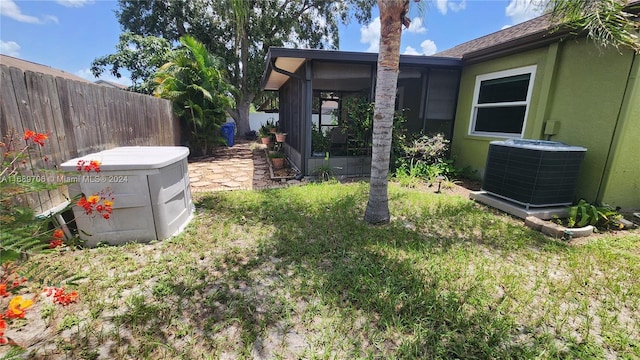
150,187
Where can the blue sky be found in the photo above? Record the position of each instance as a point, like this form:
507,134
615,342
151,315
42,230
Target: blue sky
70,34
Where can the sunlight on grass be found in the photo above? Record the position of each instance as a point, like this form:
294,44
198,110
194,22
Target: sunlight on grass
297,273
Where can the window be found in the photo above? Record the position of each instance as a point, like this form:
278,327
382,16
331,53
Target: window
501,102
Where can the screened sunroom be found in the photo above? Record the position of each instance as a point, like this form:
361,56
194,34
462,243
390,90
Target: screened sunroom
325,103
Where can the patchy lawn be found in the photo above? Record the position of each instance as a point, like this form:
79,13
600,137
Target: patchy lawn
295,273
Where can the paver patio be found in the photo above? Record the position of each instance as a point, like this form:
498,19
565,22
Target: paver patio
233,168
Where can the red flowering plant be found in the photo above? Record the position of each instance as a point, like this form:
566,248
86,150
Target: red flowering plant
21,179
20,184
25,171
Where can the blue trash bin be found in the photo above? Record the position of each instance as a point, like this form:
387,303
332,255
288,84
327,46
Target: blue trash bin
227,131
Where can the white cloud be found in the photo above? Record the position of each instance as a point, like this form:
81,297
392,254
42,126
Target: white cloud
445,5
10,48
523,10
416,26
442,6
410,51
74,3
455,7
428,48
11,10
86,74
370,34
50,18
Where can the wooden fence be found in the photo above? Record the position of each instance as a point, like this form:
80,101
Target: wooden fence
80,118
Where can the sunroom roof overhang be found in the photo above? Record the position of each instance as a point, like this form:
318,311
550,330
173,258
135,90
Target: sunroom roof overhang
282,63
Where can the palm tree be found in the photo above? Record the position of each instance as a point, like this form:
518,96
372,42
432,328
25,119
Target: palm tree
196,85
606,22
392,18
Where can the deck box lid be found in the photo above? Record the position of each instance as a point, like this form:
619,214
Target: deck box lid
132,158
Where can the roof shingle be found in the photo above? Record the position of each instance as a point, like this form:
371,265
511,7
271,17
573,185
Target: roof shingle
540,25
537,31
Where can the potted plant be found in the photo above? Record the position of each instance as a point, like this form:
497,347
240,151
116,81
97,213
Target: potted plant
271,126
277,159
281,137
265,135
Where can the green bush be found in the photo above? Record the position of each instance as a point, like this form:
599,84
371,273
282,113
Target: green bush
424,157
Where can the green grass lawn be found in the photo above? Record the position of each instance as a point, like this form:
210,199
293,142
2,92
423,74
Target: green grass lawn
296,273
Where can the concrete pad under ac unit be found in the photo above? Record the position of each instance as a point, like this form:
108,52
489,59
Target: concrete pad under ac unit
517,210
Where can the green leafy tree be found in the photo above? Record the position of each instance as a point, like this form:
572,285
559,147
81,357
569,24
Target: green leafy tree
239,32
141,55
194,81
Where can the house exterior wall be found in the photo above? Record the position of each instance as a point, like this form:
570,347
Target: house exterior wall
588,92
583,89
471,150
621,185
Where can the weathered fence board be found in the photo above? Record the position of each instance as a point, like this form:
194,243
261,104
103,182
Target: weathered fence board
80,118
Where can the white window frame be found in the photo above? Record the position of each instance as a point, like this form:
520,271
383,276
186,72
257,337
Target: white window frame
497,75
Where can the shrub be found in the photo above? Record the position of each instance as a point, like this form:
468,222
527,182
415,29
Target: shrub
602,217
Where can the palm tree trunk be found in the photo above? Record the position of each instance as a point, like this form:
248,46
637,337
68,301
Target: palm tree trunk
391,16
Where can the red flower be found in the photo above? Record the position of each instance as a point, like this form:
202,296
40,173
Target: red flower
29,134
55,243
37,138
3,327
88,166
101,202
58,234
60,297
106,216
83,203
40,138
3,290
95,165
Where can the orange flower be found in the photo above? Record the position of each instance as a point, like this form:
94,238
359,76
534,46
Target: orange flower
37,138
88,166
17,307
40,138
58,234
108,203
95,165
28,134
3,290
93,199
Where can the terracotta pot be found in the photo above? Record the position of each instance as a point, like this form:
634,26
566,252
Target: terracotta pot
281,137
266,140
278,163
